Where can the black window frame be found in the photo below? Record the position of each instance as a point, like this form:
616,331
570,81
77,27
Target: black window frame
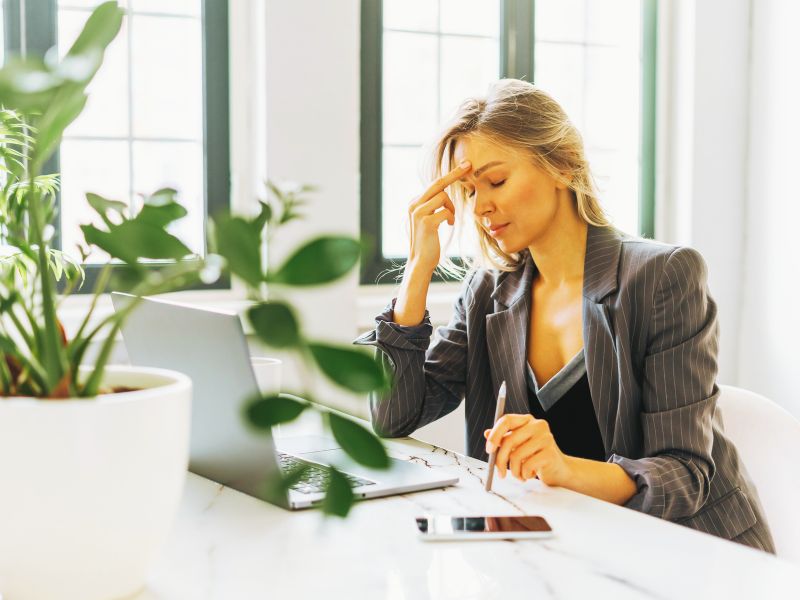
516,60
40,26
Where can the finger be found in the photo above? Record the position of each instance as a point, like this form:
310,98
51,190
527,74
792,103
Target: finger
529,470
505,424
441,184
507,445
440,200
440,217
523,452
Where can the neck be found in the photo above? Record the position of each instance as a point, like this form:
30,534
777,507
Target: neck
560,253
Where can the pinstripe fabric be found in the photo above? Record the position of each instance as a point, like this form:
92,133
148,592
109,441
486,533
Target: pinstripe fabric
650,337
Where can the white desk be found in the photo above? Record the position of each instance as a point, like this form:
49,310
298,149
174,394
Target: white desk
226,545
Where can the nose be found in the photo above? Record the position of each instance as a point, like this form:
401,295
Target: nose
481,205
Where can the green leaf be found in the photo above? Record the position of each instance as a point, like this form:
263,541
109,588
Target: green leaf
350,368
66,107
339,495
275,324
264,413
322,260
161,215
132,240
264,215
103,205
360,443
240,245
27,86
100,29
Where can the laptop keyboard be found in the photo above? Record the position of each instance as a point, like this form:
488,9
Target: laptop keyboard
315,479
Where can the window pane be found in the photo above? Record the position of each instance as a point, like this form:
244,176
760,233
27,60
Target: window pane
594,71
618,185
476,17
106,112
612,84
614,22
425,77
177,165
468,66
167,77
90,166
402,182
121,148
170,7
560,21
86,3
559,71
416,15
409,87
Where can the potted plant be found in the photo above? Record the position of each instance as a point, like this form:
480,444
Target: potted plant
94,456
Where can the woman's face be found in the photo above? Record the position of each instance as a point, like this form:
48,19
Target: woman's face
513,200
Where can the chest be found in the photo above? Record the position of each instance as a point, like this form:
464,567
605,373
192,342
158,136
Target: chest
555,328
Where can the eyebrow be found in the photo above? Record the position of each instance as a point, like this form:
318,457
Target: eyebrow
477,173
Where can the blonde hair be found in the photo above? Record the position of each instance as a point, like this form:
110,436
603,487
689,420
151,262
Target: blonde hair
516,113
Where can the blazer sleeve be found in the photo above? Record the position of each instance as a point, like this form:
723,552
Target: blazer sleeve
679,394
428,380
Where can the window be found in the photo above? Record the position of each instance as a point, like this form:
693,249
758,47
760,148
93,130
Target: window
157,113
421,58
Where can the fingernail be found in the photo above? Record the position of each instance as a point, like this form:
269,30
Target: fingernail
465,164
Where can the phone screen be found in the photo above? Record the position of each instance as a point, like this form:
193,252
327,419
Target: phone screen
447,525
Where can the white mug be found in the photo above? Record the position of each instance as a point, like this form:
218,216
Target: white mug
268,374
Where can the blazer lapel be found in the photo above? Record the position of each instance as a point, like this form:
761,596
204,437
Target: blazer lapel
507,335
600,279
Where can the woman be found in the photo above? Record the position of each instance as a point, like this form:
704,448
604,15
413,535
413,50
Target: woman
607,342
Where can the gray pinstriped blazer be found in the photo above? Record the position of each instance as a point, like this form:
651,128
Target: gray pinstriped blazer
650,336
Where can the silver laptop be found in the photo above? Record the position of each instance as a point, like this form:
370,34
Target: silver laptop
211,348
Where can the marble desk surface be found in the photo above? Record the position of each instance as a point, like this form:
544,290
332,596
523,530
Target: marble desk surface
227,545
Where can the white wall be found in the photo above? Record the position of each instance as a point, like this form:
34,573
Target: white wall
311,63
702,135
768,348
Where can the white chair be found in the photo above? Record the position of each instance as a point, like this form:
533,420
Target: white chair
768,440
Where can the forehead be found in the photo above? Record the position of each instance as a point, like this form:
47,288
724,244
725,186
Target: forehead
480,150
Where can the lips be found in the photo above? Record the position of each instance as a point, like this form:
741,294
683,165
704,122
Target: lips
497,229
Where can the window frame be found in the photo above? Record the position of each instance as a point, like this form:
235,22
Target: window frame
517,61
37,31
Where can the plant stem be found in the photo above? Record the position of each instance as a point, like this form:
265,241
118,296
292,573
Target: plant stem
54,356
100,284
23,332
169,282
5,374
34,325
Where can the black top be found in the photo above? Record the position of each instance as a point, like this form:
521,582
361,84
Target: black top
572,421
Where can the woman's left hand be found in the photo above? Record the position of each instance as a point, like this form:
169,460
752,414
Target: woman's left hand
528,449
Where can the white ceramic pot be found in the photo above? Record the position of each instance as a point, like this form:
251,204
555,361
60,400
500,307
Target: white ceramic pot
90,487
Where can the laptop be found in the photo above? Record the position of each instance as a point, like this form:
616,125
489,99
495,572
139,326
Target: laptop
210,347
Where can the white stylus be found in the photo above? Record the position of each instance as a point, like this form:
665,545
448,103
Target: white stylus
498,412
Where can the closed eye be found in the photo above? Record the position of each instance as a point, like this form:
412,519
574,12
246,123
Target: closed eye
494,185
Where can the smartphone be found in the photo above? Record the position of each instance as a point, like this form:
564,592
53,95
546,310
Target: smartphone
509,527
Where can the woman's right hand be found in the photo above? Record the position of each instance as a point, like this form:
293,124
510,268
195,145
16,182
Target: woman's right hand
426,214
